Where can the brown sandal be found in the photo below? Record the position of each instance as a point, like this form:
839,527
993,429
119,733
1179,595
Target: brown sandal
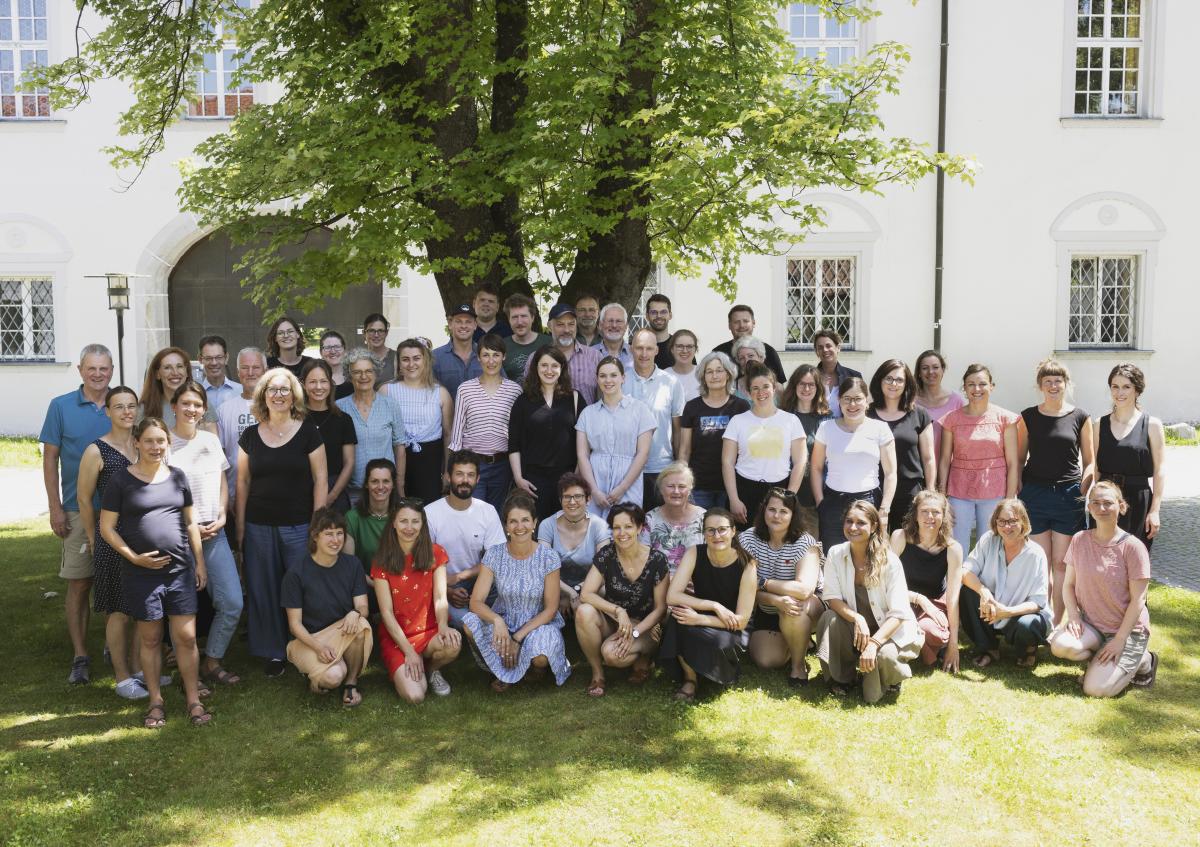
638,676
200,718
682,695
155,717
220,676
1029,660
596,688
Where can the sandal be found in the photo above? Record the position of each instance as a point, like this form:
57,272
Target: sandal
1146,680
200,718
499,686
683,695
169,660
220,676
350,696
798,681
839,689
202,690
639,675
155,717
1029,660
983,660
596,689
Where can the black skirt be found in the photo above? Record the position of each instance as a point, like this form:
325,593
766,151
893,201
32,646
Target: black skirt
712,653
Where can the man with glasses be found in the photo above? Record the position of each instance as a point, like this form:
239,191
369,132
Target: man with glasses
214,356
587,316
455,361
614,324
375,332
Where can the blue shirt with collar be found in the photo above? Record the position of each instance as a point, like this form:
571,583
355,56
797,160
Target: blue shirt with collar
451,371
218,394
72,423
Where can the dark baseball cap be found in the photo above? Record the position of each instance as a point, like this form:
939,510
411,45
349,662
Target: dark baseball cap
461,309
560,309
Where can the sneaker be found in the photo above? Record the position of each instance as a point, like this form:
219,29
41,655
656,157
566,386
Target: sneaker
132,689
165,679
81,671
438,684
274,668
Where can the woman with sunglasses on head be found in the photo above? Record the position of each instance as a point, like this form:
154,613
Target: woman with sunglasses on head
932,563
854,458
1107,623
1130,450
789,580
521,632
702,427
711,599
869,632
416,639
621,627
337,431
200,456
281,482
1006,589
427,410
804,397
285,346
541,429
763,448
892,396
333,351
576,535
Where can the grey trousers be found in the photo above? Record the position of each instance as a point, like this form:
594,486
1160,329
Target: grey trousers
839,659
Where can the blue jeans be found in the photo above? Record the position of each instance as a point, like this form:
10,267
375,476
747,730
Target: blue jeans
225,588
270,551
495,478
971,515
709,499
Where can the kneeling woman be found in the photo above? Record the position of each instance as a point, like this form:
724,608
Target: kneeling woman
869,627
1006,589
415,636
708,629
789,573
621,628
325,595
523,627
153,503
1107,624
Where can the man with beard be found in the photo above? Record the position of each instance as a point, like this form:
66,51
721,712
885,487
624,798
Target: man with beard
522,313
614,324
581,360
487,311
741,322
455,361
587,313
658,315
465,527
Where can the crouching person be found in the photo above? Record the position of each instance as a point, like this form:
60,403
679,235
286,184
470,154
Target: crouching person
325,596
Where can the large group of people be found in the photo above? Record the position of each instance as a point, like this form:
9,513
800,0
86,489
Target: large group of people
509,485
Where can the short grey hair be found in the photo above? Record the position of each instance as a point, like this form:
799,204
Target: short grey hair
624,314
725,362
753,343
359,354
251,351
95,350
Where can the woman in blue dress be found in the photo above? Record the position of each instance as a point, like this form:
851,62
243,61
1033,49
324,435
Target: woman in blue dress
522,629
613,440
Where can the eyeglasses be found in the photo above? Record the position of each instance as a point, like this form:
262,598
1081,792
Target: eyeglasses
893,380
376,330
1008,521
410,503
285,333
685,346
331,348
572,498
785,494
213,360
714,531
806,386
279,390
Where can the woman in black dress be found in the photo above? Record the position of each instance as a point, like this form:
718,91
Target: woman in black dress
708,628
337,430
1130,450
541,429
163,566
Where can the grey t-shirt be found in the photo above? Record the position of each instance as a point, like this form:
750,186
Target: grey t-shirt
324,595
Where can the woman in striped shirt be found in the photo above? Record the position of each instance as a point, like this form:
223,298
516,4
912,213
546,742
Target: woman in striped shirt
789,576
426,408
481,410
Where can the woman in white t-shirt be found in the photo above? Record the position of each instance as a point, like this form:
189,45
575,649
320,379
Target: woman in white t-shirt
763,448
847,457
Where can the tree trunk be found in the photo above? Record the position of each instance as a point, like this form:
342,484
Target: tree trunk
509,93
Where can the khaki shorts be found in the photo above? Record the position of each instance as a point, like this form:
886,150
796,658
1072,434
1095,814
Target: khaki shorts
76,557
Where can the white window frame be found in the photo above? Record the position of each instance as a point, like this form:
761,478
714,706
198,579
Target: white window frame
1150,63
19,47
850,337
1137,260
224,67
823,41
26,283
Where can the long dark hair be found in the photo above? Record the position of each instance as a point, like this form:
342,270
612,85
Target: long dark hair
789,402
322,365
533,384
791,502
364,502
876,392
273,345
390,555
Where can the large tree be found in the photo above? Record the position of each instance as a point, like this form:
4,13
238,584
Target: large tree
556,145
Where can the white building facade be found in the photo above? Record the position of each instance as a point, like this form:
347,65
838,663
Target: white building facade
1069,244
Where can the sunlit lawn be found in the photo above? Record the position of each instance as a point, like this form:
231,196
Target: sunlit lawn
19,451
997,759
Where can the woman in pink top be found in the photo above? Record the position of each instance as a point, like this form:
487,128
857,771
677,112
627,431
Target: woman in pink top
978,466
1107,624
931,396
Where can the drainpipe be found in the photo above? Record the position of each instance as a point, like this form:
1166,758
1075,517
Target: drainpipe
939,222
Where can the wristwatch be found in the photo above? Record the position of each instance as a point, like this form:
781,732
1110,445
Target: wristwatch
636,634
762,583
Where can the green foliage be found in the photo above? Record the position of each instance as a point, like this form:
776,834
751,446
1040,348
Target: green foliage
487,140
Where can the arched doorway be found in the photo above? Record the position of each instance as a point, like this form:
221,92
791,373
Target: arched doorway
205,296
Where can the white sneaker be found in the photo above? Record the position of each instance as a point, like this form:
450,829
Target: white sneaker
132,689
165,679
438,684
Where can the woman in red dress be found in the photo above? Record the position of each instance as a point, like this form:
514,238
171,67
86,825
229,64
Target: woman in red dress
409,574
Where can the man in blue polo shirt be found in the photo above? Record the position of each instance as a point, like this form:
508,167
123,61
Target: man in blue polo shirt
74,421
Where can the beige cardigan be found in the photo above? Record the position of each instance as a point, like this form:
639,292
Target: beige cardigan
889,598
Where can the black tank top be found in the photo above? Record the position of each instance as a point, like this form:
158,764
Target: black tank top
719,584
1130,455
1054,446
924,572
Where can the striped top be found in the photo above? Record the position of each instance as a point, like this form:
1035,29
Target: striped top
481,419
421,409
776,564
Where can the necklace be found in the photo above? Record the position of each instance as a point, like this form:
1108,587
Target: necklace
376,514
580,519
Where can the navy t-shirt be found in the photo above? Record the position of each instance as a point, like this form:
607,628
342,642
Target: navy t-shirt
281,483
151,515
325,595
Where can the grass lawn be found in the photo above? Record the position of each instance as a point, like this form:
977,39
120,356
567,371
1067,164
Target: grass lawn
19,451
999,758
